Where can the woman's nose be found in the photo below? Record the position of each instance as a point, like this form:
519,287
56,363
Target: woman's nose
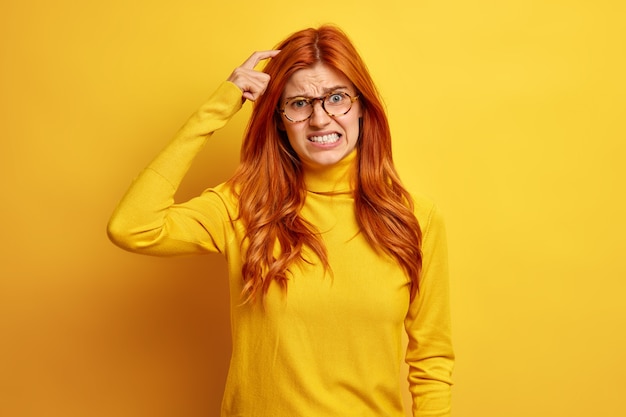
319,116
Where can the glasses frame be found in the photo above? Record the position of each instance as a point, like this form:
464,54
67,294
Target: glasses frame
322,99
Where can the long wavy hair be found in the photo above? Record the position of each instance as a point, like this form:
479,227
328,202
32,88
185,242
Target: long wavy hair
269,181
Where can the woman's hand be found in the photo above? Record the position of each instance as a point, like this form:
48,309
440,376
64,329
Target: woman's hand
252,82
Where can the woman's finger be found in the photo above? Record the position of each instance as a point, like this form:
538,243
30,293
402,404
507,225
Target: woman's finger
257,57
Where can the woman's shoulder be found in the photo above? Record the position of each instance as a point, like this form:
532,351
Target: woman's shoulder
214,200
223,192
426,210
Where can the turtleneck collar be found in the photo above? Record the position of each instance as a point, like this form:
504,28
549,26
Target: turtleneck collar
333,179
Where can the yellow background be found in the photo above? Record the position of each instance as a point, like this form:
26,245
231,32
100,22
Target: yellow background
510,114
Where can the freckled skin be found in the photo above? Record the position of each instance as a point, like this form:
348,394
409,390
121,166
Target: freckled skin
315,82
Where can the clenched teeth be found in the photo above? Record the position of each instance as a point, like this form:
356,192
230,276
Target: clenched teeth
334,137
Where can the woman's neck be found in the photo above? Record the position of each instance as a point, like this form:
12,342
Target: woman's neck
333,179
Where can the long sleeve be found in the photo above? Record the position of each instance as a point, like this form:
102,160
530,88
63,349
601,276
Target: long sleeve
429,354
147,220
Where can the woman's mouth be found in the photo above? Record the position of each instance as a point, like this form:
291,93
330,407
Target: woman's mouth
325,139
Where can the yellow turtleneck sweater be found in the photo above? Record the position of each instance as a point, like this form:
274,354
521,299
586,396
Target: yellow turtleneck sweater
331,346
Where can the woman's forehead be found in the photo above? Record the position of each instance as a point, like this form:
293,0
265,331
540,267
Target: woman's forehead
315,81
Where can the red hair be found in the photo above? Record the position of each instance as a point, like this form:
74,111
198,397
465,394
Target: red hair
269,181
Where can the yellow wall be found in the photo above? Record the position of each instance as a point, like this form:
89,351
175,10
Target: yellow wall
510,114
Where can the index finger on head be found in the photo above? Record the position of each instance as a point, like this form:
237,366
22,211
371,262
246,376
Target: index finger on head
259,56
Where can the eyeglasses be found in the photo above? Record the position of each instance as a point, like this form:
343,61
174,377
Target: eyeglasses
299,109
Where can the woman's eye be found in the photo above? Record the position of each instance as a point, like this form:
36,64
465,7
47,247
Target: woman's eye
335,98
299,103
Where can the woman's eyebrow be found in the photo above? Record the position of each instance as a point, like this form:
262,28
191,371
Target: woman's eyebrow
325,91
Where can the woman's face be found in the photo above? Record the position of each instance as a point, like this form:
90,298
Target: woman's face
321,140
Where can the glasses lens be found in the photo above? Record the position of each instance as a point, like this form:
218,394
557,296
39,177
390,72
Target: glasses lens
337,103
298,108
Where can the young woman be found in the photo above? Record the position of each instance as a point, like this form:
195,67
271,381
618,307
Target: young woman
330,258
